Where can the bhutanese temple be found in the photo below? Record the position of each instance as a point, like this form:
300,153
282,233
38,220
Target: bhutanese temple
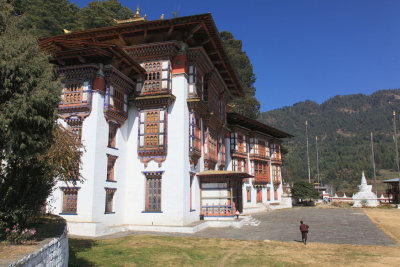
149,102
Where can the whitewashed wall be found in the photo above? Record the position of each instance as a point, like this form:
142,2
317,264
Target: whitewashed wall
55,253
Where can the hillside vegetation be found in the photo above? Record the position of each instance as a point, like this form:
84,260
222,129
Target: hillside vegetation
343,125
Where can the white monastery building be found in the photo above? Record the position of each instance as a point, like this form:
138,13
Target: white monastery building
148,100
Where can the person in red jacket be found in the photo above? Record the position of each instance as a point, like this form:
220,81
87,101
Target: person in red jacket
304,231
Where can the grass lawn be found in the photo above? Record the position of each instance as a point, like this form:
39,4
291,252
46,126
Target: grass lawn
144,250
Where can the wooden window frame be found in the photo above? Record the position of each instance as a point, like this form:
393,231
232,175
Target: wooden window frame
153,193
194,132
112,135
111,159
70,194
259,195
109,200
152,131
248,193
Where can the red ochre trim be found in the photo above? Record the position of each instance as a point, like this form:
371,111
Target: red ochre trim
179,64
99,84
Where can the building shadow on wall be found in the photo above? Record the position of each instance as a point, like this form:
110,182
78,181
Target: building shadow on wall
79,245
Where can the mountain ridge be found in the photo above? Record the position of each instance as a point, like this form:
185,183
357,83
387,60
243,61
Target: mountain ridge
343,125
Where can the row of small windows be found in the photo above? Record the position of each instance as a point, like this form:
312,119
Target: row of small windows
152,76
152,86
152,67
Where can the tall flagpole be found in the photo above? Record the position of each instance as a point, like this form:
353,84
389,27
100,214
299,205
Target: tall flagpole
316,145
397,150
373,164
308,158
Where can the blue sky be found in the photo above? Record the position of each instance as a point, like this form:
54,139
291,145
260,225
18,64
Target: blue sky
304,49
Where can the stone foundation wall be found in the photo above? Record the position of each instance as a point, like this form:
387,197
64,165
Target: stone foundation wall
55,254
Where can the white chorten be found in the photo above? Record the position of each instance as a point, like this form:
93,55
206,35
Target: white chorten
365,197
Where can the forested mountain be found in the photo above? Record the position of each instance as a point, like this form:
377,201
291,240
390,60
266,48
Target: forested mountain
343,125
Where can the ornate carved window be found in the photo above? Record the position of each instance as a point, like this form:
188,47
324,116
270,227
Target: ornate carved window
153,192
221,151
212,145
234,141
234,164
109,200
254,146
76,131
116,99
75,92
192,80
157,78
152,129
70,199
194,133
242,145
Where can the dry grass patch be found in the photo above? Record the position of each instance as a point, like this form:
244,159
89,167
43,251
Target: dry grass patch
386,219
140,250
143,250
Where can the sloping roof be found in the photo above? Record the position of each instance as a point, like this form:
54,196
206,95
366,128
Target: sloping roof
64,50
254,125
227,174
196,30
391,180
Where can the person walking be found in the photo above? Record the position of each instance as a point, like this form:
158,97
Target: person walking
304,231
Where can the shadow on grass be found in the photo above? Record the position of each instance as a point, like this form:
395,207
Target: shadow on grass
49,226
79,245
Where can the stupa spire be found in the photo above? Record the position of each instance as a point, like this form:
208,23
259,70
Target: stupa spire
363,179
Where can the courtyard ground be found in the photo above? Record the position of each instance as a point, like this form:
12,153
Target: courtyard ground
338,237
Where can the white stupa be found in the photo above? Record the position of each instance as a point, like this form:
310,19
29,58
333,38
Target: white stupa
365,197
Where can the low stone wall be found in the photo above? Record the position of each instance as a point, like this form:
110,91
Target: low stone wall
54,254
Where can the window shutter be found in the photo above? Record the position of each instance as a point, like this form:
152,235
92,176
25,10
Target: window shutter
141,129
142,116
141,140
162,114
161,140
85,91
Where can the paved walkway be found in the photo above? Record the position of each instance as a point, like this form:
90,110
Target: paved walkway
340,226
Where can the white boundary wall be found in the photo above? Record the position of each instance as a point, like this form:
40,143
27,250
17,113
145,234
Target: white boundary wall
55,254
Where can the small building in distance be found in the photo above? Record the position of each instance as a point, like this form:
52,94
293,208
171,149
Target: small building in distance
393,190
148,100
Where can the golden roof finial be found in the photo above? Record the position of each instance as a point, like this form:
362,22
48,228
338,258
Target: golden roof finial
137,15
135,18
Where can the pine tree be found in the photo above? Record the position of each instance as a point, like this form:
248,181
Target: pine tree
28,101
247,105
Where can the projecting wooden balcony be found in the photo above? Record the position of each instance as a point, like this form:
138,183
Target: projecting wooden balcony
154,87
71,98
261,180
253,156
238,153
